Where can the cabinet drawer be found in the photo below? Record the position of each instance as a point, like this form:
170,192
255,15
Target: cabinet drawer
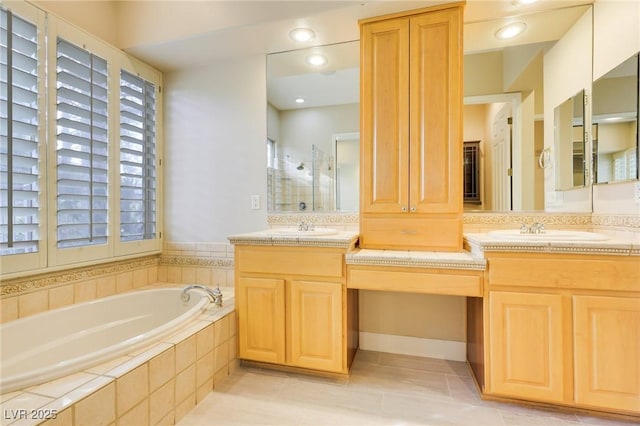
411,231
565,271
415,281
289,261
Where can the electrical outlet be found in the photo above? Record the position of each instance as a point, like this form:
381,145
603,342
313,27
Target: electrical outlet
255,202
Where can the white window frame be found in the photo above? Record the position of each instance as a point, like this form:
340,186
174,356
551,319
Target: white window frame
50,257
142,70
37,260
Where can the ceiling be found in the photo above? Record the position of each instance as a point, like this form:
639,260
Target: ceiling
219,31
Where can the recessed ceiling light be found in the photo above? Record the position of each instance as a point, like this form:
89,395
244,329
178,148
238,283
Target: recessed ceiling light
317,60
301,34
511,30
299,100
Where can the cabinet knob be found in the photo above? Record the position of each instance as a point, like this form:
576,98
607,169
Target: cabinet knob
413,208
404,208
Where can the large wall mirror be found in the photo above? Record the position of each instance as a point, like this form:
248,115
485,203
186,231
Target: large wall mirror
503,80
570,142
615,124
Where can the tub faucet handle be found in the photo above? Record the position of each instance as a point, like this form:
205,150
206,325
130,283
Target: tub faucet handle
217,295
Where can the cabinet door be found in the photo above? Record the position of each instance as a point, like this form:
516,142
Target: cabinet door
526,345
384,85
261,313
607,352
315,329
436,112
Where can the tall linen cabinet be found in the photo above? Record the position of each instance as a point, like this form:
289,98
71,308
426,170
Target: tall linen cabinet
411,130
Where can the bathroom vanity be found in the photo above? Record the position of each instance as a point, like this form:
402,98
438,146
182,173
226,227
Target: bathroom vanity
292,301
560,322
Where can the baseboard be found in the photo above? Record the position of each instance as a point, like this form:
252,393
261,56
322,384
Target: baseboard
415,346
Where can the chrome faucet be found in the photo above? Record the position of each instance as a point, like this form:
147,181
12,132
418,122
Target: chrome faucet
306,226
215,294
535,228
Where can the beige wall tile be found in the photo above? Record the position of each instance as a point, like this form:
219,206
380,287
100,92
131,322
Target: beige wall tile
220,376
188,275
203,276
33,303
137,416
61,296
204,390
230,277
162,368
63,418
234,365
140,278
84,291
204,369
185,353
221,330
205,339
184,407
124,282
185,383
161,402
233,348
97,409
162,274
174,274
132,388
222,356
219,277
152,274
9,309
106,286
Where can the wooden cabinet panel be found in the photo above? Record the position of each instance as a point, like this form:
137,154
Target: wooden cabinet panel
526,345
415,281
261,319
411,130
314,326
607,352
384,84
436,103
290,261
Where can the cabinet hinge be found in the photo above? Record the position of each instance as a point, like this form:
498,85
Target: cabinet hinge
509,172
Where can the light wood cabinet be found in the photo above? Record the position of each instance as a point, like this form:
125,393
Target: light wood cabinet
411,152
607,352
564,328
526,345
291,305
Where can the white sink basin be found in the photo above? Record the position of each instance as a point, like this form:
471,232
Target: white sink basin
310,233
549,235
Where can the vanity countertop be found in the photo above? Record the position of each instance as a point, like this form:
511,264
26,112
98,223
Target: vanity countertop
417,259
340,239
479,243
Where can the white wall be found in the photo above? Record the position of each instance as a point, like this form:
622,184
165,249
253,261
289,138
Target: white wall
215,154
567,70
616,37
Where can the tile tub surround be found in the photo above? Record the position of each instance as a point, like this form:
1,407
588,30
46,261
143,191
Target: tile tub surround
155,385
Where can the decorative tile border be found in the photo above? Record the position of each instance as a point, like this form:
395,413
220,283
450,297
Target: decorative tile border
215,262
472,265
625,221
316,218
571,219
50,279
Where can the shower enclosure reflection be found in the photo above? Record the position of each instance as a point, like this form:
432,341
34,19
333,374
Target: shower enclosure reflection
302,184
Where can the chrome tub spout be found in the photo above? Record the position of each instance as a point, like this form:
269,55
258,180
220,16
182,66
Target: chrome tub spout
214,294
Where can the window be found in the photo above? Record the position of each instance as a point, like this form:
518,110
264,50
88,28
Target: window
137,158
19,136
81,147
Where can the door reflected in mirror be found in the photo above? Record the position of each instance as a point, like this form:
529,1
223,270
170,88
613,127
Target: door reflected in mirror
615,122
569,143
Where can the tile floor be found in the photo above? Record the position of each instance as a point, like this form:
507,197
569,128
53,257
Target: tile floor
383,389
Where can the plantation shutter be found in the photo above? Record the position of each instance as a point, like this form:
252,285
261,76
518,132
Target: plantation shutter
137,158
19,219
81,146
